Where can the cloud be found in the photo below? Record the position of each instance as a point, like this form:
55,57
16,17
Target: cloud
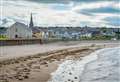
59,12
46,1
61,6
115,20
6,21
103,10
97,6
94,0
66,1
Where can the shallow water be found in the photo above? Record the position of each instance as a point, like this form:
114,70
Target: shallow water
100,66
105,69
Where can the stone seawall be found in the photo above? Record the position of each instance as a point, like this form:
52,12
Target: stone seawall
19,42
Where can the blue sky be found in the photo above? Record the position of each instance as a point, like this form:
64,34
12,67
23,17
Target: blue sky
61,12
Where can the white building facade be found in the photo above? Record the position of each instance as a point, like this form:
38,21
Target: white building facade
19,30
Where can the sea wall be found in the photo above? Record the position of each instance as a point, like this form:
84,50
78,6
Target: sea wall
19,42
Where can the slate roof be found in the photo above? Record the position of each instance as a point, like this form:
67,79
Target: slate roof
22,25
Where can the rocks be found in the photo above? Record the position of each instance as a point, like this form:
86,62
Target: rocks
22,73
4,78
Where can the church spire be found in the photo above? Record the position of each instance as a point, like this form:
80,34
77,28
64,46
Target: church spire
31,25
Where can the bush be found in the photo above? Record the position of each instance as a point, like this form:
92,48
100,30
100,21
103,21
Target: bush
2,37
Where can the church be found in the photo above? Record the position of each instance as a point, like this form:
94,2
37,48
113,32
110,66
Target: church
20,30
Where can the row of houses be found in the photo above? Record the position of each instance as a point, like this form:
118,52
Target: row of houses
20,30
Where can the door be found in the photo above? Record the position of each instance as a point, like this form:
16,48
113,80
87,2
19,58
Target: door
16,36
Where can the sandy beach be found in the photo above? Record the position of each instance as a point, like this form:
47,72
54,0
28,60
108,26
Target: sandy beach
35,63
8,52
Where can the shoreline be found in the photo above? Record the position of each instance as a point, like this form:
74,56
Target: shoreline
93,67
38,68
37,65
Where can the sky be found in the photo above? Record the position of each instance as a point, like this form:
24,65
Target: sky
61,12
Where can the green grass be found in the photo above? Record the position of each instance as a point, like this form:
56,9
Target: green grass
99,37
3,37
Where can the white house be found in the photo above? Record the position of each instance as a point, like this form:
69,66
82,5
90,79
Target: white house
19,30
86,35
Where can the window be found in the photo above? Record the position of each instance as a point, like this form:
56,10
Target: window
16,30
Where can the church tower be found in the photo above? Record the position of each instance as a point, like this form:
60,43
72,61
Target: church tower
31,25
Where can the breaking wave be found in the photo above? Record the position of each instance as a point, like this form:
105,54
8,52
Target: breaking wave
100,66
